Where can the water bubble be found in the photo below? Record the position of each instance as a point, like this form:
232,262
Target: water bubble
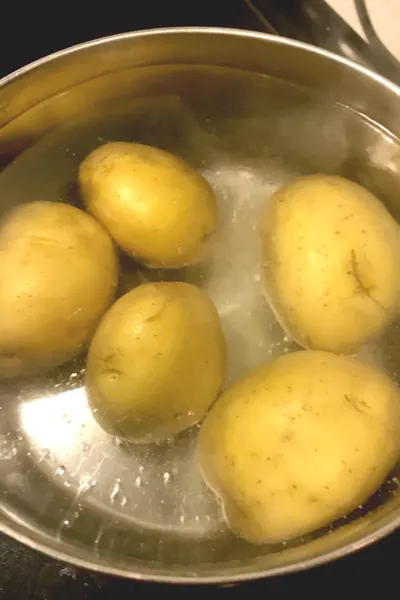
60,470
138,481
69,520
115,490
86,482
167,477
7,453
98,538
141,469
182,518
116,493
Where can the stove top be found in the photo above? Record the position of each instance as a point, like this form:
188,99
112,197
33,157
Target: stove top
26,574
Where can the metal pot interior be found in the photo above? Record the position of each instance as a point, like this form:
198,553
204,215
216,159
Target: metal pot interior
250,112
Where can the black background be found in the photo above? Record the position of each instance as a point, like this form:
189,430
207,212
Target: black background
28,33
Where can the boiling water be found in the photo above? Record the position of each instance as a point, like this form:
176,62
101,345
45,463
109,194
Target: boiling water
247,135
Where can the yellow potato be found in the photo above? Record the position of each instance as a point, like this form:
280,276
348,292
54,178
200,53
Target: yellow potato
156,362
157,208
59,274
299,442
331,254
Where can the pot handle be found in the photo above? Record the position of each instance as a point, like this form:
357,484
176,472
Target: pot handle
315,22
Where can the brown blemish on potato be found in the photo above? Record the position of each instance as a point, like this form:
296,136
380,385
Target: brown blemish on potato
108,358
112,373
8,355
358,404
287,436
355,272
41,239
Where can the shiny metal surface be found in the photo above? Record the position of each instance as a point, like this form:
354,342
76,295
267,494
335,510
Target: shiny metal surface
249,111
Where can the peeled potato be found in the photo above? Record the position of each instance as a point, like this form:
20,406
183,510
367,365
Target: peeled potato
298,443
331,254
156,362
156,207
59,274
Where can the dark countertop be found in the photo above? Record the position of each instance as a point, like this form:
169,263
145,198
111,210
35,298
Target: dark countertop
26,574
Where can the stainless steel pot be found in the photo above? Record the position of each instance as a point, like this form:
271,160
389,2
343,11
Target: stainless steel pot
250,111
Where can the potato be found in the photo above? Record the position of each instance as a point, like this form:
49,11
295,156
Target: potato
59,274
298,443
156,362
331,254
157,208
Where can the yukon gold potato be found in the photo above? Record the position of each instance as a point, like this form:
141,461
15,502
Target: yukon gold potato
298,443
59,274
156,362
331,254
156,207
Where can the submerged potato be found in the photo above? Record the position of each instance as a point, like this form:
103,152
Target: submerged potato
331,254
299,443
59,274
156,207
156,362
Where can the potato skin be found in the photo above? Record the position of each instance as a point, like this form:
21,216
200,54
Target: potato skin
298,443
156,207
156,362
59,273
331,254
